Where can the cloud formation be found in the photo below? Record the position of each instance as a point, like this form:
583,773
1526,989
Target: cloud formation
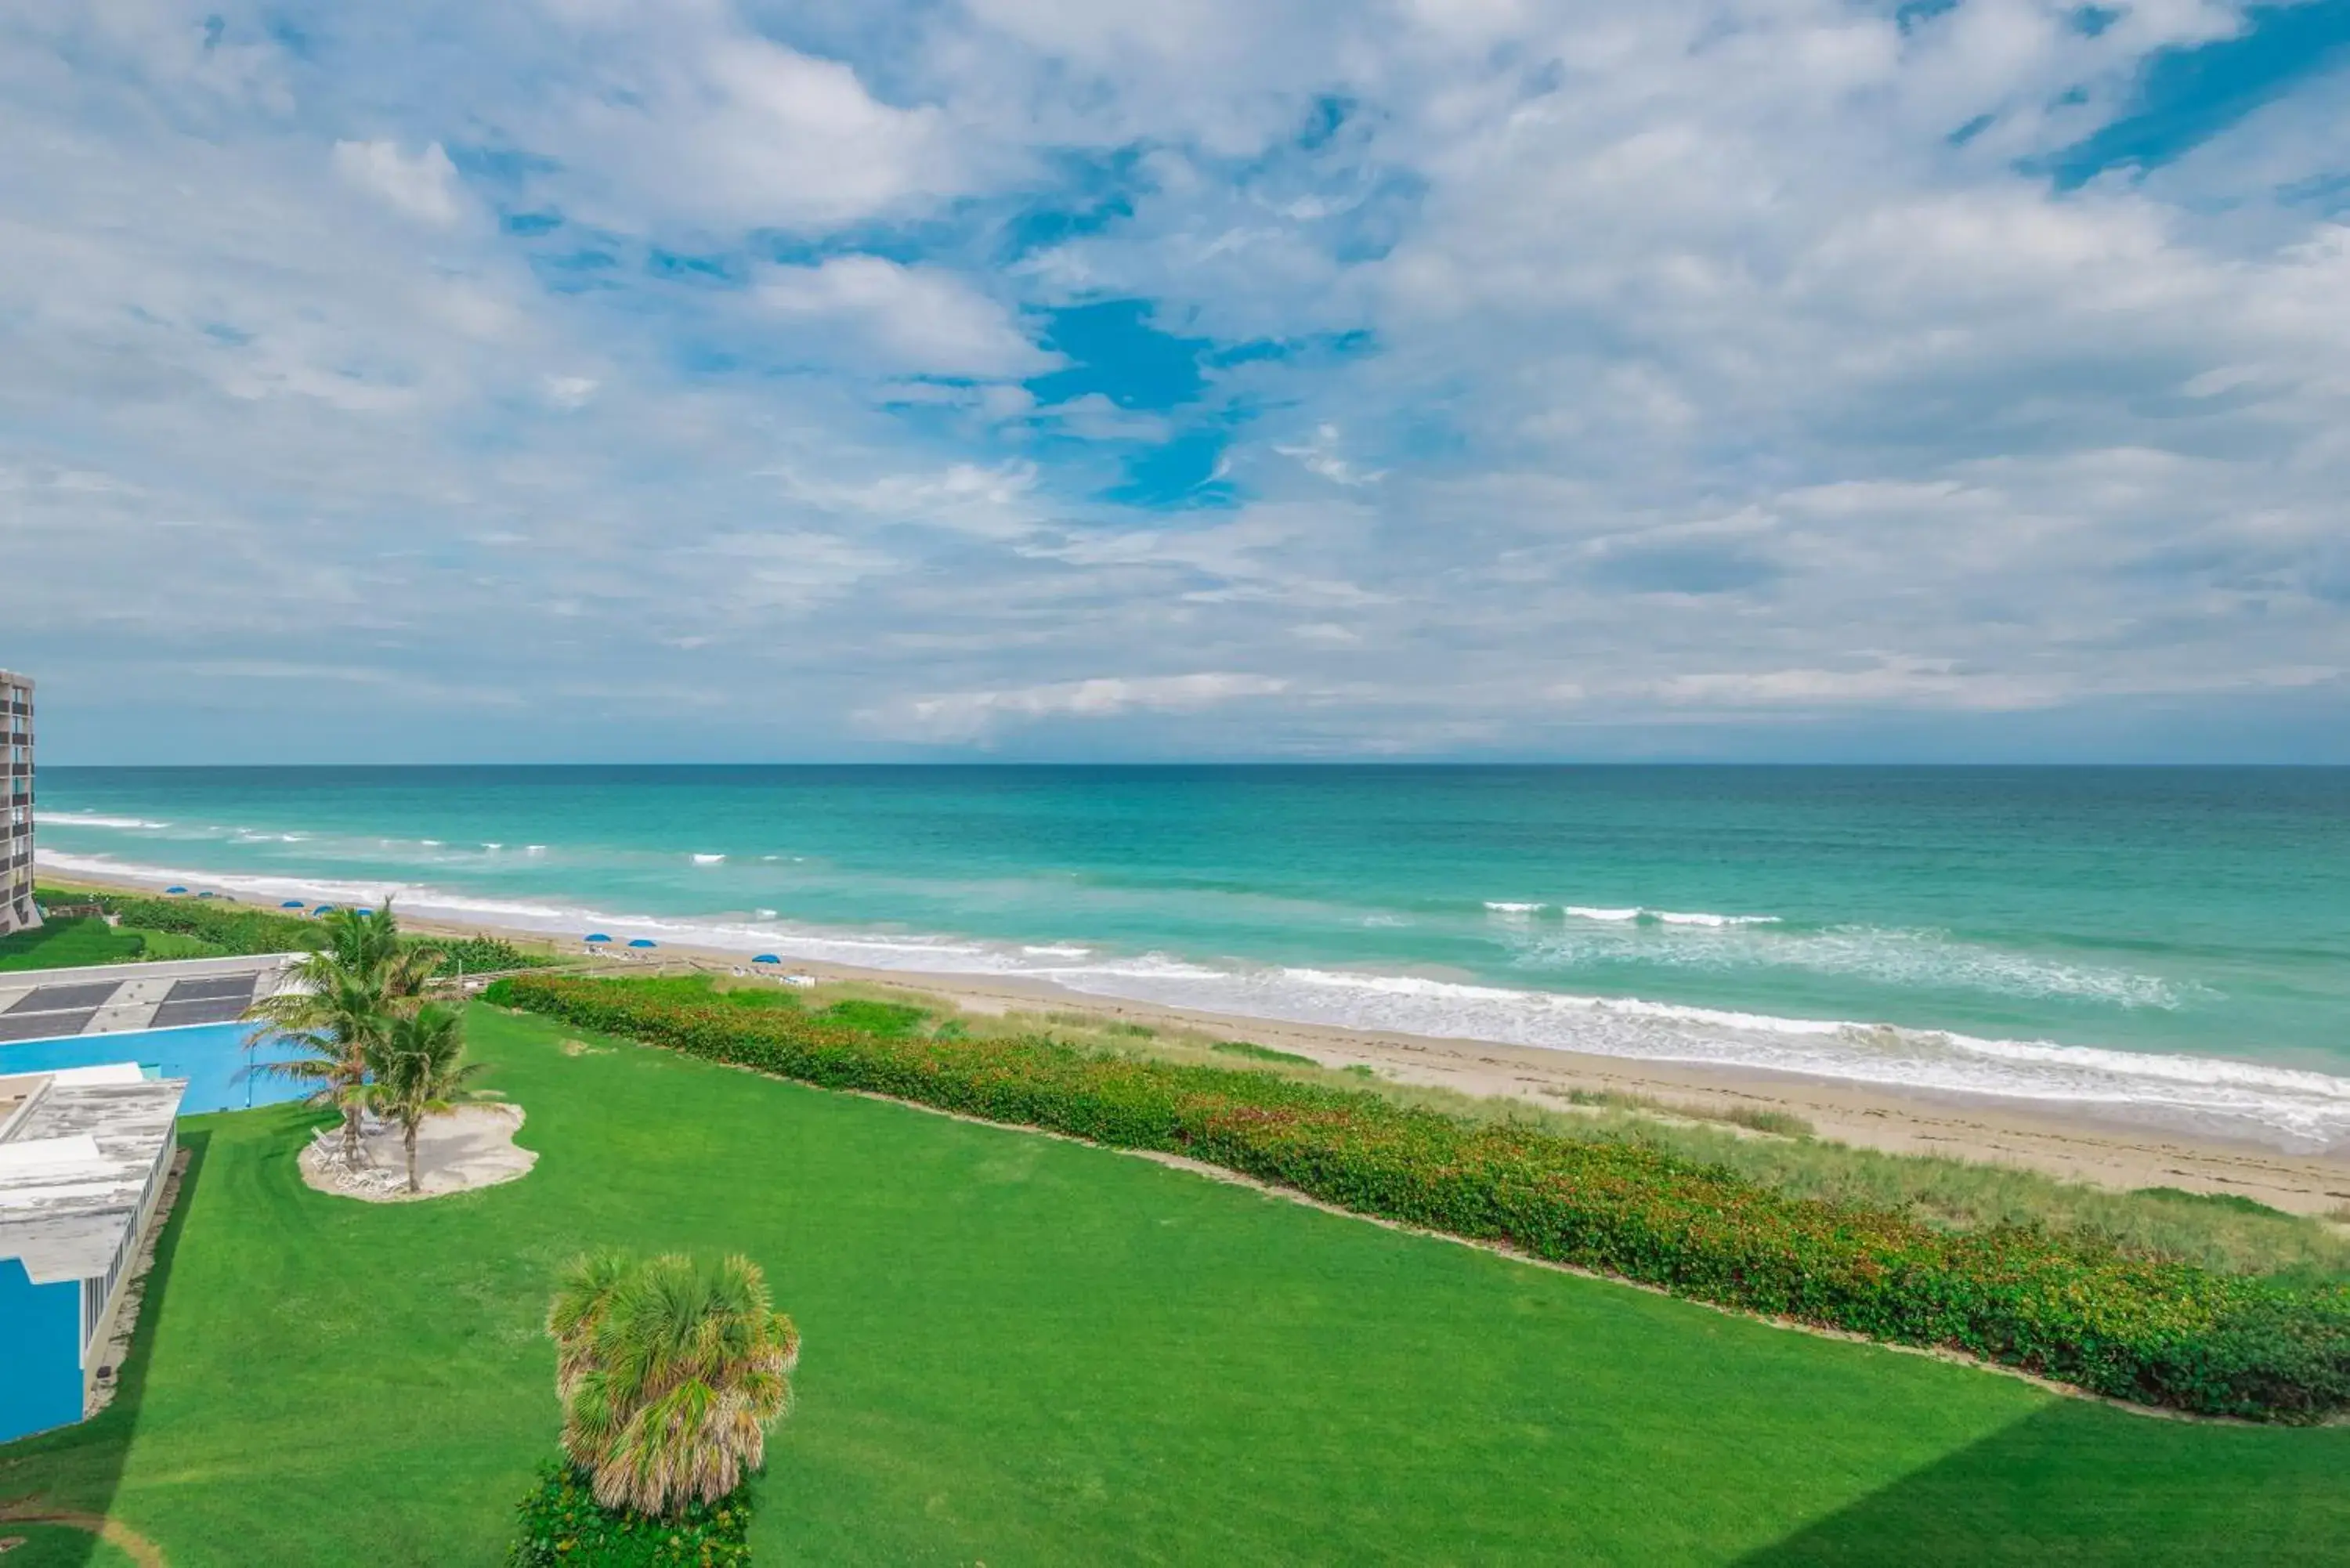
1801,378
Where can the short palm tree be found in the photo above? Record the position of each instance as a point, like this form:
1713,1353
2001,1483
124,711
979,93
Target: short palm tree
336,1006
417,1066
671,1372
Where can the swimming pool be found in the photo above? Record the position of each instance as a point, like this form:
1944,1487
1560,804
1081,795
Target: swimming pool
211,1056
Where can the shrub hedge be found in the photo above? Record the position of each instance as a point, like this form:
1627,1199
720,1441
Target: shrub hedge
2064,1306
481,955
563,1524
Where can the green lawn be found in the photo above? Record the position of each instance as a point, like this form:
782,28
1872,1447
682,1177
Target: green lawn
62,944
1025,1351
71,944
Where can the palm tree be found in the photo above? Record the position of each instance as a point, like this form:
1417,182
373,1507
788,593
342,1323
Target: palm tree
417,1066
337,1005
671,1373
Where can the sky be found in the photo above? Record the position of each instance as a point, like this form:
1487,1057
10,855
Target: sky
1023,379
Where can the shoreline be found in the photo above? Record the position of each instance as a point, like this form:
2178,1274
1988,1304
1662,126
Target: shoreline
2107,1152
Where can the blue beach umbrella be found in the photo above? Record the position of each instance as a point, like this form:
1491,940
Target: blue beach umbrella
293,904
323,909
767,958
597,937
642,942
205,894
175,890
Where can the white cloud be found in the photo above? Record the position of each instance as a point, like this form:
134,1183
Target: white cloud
883,317
998,501
1320,455
424,187
694,118
569,391
1895,682
965,716
1576,372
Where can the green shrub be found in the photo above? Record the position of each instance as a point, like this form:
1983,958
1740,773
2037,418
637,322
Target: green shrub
2070,1308
890,1020
563,1524
480,955
228,926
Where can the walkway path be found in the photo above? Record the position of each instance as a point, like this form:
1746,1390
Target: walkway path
142,1550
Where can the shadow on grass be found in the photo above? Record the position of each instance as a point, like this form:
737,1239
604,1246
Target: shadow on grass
77,1468
2076,1483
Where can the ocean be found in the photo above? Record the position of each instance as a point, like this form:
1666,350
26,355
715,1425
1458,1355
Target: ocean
2164,945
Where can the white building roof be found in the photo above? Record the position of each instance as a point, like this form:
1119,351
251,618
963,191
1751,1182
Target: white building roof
77,1147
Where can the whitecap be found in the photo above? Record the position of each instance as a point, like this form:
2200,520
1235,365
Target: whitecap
97,819
708,860
1586,912
1505,907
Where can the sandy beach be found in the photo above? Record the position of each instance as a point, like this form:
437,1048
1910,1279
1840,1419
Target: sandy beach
2063,1142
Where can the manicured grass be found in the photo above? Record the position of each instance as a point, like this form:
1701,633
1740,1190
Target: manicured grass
62,944
1021,1350
71,944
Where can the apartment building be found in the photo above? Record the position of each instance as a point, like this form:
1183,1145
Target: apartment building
16,910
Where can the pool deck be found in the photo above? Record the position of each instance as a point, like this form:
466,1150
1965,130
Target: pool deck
108,999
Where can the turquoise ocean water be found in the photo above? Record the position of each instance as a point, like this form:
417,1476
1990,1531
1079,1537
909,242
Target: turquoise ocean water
2167,945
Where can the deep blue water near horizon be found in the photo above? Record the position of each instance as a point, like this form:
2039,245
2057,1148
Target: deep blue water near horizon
2170,942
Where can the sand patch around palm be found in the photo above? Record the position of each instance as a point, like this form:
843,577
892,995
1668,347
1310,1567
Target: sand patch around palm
459,1150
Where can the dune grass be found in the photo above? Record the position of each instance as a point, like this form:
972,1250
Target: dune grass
1025,1350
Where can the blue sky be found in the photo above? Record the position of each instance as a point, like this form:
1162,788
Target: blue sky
586,381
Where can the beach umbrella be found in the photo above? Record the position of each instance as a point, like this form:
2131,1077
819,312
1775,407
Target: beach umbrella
323,909
767,958
175,890
293,904
205,894
597,937
362,911
642,942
